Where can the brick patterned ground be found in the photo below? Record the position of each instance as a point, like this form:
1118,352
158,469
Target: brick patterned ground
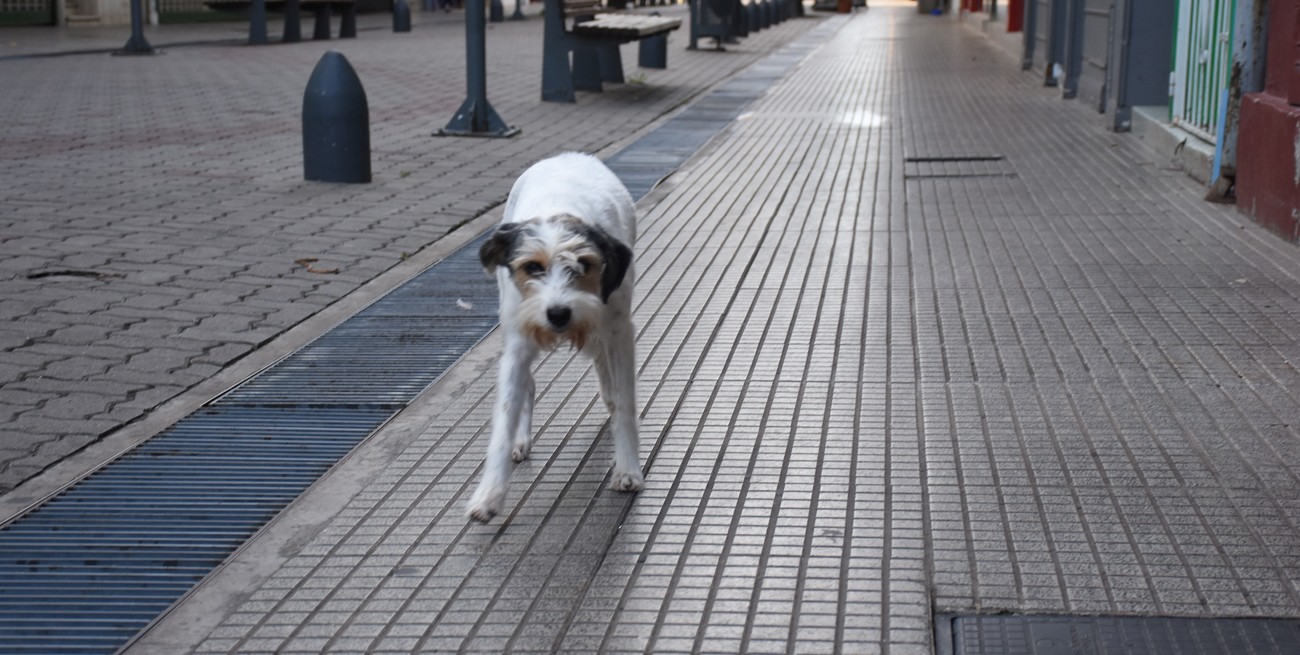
872,389
179,178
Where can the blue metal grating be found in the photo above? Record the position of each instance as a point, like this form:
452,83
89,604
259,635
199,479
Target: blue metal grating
642,164
1114,635
90,568
86,571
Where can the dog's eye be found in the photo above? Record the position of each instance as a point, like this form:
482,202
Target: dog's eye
534,269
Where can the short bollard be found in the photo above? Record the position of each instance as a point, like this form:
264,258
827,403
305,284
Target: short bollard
401,16
496,12
257,23
335,123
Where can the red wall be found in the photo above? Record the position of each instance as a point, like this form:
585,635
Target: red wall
1015,15
1268,155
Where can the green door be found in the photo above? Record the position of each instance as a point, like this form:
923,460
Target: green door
27,12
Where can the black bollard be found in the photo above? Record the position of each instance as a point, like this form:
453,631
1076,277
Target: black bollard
401,16
257,23
496,12
292,22
335,123
739,21
321,26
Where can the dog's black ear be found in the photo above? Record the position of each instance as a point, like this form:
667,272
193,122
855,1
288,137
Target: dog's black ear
496,250
618,258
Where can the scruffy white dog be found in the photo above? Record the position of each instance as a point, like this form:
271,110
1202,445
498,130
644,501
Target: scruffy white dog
563,261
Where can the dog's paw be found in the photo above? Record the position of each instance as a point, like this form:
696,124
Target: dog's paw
485,505
521,450
627,481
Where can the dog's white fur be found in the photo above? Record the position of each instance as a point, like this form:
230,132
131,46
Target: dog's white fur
568,230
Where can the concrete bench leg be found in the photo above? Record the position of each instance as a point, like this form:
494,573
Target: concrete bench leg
586,68
611,63
348,24
557,77
653,52
322,32
257,23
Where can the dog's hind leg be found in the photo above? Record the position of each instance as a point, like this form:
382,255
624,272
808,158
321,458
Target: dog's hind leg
514,384
616,367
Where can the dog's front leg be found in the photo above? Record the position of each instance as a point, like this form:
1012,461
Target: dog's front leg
523,432
514,400
617,374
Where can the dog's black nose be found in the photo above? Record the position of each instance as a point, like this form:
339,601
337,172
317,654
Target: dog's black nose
559,316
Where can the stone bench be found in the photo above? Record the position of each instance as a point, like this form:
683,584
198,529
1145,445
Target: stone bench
291,10
592,34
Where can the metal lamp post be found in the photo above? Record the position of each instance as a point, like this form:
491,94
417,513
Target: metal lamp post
137,44
475,116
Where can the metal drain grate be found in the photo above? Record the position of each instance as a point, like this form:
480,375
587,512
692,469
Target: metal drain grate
1108,635
96,564
87,570
957,166
654,156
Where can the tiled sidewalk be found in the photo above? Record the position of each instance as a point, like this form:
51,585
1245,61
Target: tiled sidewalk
872,389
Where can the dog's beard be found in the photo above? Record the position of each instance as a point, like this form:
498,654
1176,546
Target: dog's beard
581,330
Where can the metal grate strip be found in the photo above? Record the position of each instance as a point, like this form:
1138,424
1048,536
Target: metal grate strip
87,570
941,166
1114,635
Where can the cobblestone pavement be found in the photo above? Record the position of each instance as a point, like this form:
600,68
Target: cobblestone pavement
876,383
171,188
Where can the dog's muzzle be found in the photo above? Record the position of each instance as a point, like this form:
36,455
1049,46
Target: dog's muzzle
559,317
